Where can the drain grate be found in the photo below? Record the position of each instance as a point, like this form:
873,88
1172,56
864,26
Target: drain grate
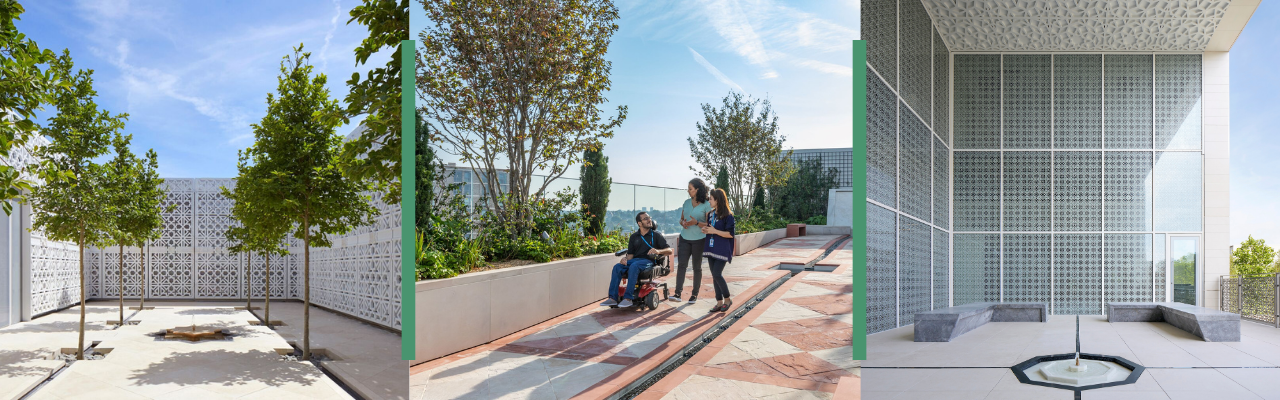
647,380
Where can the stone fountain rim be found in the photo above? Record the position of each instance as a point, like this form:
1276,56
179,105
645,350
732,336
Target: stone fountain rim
1135,370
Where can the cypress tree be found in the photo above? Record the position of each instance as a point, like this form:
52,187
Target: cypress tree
594,190
758,200
722,179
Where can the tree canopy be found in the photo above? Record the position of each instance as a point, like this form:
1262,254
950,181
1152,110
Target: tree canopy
742,138
296,154
517,84
374,154
1253,257
24,88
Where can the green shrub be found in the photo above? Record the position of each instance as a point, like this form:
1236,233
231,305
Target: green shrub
816,220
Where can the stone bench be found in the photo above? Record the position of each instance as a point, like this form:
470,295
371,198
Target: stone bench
1207,323
944,324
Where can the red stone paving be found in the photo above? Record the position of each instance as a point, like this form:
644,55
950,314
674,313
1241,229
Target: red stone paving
598,347
753,366
806,366
820,340
829,304
835,287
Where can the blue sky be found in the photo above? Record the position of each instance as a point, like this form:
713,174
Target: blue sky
194,75
1255,94
669,57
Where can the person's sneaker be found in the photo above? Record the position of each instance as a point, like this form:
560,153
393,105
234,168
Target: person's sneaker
625,303
675,298
609,303
693,299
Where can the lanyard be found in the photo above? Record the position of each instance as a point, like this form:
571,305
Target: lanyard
711,221
647,242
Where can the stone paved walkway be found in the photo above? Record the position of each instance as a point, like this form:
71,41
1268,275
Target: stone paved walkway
796,345
593,351
144,367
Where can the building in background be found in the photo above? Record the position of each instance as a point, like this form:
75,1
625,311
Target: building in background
1068,153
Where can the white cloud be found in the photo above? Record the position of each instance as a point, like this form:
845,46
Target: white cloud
734,26
333,26
715,71
825,67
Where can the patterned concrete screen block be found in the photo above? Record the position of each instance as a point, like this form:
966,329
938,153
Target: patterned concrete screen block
945,324
1207,323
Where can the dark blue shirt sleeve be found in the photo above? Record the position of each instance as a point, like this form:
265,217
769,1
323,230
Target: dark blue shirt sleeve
729,225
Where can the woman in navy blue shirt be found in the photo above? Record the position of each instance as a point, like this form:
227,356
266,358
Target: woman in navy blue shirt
719,246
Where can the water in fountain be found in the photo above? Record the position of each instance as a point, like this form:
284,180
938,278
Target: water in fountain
1083,372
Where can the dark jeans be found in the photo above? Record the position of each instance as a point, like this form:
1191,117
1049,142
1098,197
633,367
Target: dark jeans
630,271
717,278
685,249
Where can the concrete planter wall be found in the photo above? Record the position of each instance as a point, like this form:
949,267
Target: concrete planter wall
473,309
751,241
828,230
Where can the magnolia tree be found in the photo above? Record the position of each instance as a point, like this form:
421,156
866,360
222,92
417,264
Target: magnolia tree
259,227
296,152
73,189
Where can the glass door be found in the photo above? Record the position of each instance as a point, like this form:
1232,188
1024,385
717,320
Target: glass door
1184,262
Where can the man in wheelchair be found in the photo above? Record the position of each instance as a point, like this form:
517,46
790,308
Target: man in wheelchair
643,250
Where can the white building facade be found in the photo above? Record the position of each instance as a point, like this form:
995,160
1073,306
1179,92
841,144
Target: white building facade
1060,152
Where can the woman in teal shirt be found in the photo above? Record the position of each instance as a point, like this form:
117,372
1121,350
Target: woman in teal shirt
694,211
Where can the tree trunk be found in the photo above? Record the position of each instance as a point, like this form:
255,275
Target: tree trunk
80,346
306,289
121,285
267,295
248,288
142,252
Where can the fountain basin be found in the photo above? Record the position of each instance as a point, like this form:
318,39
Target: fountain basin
1097,371
1089,372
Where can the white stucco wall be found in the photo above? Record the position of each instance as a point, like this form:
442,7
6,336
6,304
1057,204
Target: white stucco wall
1217,164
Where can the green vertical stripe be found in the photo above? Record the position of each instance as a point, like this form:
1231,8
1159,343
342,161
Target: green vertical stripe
408,238
859,179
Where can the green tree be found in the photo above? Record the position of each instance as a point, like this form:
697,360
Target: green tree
594,190
148,215
68,202
123,186
1253,257
804,194
298,152
722,178
24,88
374,154
757,200
517,82
255,208
742,137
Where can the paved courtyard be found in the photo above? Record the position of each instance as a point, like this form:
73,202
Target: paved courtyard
796,344
976,365
594,351
141,366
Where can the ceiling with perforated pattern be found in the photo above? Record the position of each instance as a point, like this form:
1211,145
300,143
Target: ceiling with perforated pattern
1127,25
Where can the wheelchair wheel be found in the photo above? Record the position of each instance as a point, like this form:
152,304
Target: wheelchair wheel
651,300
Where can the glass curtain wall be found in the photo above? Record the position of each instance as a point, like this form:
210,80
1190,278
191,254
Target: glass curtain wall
1070,169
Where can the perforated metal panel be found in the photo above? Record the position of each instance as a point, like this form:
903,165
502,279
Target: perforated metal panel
976,268
1128,269
1128,190
882,143
1077,105
1128,104
1026,101
915,53
1077,274
1027,267
1077,191
880,30
1178,101
976,195
941,268
1027,188
977,101
916,168
882,275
